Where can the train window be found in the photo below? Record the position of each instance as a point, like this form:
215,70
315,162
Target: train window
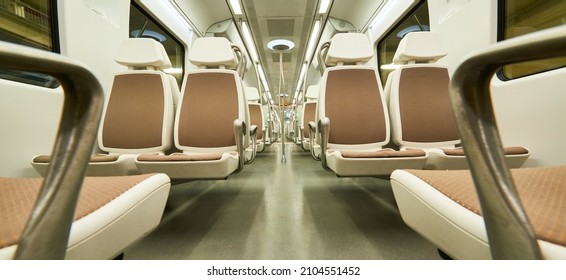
519,17
30,23
143,25
416,20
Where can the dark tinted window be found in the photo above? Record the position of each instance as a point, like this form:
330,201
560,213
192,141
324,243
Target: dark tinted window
519,17
416,20
30,23
142,25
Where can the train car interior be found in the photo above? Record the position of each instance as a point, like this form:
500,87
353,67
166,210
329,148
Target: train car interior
282,130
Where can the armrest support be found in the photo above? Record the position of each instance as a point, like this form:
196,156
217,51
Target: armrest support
239,132
324,128
264,136
506,222
312,131
47,232
253,133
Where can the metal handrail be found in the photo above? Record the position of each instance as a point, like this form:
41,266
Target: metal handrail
509,232
323,127
47,230
242,61
240,130
321,61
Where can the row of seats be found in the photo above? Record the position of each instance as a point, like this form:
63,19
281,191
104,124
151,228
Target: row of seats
443,206
148,126
355,119
143,115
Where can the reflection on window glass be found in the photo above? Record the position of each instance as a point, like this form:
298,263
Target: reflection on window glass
416,20
142,25
525,16
30,23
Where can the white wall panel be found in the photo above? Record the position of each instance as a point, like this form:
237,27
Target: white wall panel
29,117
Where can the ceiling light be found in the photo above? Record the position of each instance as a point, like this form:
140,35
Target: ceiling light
312,40
280,45
324,6
262,78
249,42
300,81
236,8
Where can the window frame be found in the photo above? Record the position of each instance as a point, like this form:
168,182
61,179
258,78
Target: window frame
171,35
28,77
393,27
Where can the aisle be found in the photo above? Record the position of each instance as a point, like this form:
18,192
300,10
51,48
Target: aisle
290,210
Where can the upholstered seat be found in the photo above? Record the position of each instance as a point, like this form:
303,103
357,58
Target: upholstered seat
419,105
489,211
443,207
112,213
66,215
138,113
200,128
352,114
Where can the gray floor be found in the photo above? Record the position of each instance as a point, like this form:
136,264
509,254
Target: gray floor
290,210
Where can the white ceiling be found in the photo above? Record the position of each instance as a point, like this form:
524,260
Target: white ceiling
276,19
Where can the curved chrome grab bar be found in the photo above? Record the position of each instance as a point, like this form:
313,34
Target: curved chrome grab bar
321,61
506,222
253,139
240,130
47,231
324,129
241,68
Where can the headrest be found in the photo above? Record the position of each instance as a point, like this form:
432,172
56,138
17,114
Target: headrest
252,94
423,46
142,52
213,52
312,92
349,48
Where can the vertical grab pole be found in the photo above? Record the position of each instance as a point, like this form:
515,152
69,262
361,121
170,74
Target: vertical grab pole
282,107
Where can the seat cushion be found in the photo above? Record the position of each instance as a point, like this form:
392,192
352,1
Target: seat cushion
18,197
443,207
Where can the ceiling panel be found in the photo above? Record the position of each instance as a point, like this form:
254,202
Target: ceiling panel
275,19
281,27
